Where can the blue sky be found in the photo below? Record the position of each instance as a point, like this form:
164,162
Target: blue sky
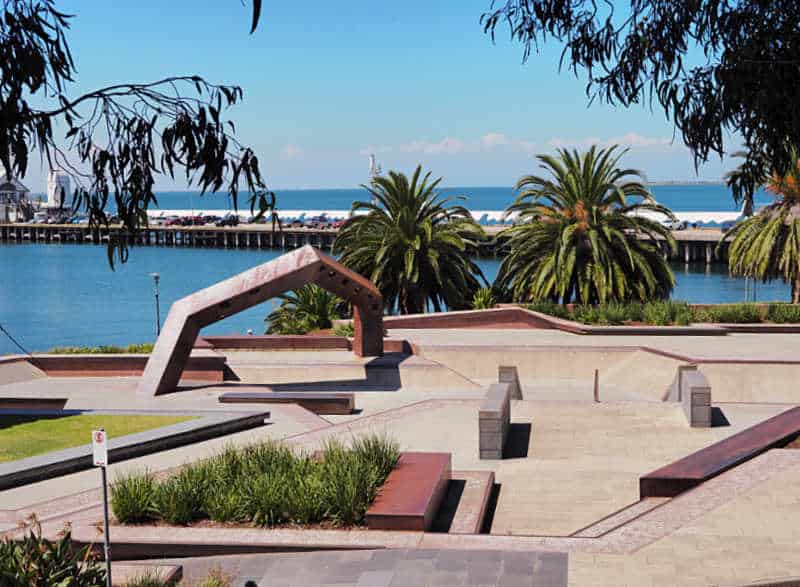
326,83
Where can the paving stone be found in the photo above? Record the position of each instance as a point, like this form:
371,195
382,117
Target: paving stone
375,579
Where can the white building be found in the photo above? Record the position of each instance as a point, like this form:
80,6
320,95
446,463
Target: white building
58,186
13,195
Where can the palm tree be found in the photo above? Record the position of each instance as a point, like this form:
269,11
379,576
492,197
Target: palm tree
767,245
413,244
579,236
303,310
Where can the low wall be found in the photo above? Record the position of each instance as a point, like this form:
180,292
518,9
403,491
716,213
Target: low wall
510,317
198,368
292,342
533,362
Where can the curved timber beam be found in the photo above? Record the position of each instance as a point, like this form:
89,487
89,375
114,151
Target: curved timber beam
290,271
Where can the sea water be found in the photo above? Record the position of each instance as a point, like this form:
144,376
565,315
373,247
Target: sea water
66,295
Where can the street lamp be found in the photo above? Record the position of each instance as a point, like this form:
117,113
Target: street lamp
156,277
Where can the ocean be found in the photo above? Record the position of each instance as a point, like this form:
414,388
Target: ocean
66,295
679,198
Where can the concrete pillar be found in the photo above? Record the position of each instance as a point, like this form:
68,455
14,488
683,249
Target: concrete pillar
709,254
686,253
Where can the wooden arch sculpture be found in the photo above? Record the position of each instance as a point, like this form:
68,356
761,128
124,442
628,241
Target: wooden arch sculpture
290,271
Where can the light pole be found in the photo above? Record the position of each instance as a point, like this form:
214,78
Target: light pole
156,277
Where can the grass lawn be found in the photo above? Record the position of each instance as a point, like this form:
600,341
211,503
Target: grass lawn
27,436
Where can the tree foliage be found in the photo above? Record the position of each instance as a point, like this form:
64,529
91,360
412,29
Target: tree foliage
413,244
118,138
767,246
714,66
579,237
305,309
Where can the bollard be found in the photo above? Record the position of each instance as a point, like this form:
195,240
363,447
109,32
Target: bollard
596,386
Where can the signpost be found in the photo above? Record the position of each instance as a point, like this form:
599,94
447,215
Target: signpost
100,454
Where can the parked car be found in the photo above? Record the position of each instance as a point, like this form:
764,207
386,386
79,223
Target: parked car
296,224
228,220
337,223
675,224
173,221
211,219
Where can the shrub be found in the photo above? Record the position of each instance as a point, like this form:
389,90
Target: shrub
264,484
732,313
666,312
783,313
133,498
35,560
484,299
215,578
550,309
345,329
148,579
106,349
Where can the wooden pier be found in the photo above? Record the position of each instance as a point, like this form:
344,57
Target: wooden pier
694,245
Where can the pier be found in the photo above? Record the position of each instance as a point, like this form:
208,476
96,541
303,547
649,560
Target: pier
694,245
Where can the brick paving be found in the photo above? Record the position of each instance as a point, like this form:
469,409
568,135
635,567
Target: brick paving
386,568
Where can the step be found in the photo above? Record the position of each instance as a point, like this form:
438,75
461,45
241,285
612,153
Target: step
412,493
476,491
318,403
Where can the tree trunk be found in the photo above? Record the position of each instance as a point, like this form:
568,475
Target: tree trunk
796,290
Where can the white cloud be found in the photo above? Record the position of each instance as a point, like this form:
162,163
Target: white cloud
291,151
631,139
455,146
447,145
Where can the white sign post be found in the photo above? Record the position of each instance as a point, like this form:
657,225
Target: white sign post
100,458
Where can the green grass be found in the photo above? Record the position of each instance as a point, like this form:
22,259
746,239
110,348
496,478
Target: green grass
27,436
265,484
106,349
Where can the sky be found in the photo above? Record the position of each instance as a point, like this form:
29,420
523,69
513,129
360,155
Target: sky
327,83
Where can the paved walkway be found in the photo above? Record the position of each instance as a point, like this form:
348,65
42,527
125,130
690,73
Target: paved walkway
386,568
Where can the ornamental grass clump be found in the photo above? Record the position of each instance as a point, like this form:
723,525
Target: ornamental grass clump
266,484
133,498
783,313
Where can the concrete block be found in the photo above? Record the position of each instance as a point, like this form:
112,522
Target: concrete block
494,420
509,374
701,397
490,425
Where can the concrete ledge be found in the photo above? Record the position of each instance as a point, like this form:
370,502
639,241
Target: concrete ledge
316,402
412,493
79,458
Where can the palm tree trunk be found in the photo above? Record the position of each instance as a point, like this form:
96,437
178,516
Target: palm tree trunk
796,290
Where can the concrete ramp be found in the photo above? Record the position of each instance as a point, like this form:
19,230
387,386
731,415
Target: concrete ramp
341,371
17,370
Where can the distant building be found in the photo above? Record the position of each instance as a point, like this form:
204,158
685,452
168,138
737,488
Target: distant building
58,186
13,198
